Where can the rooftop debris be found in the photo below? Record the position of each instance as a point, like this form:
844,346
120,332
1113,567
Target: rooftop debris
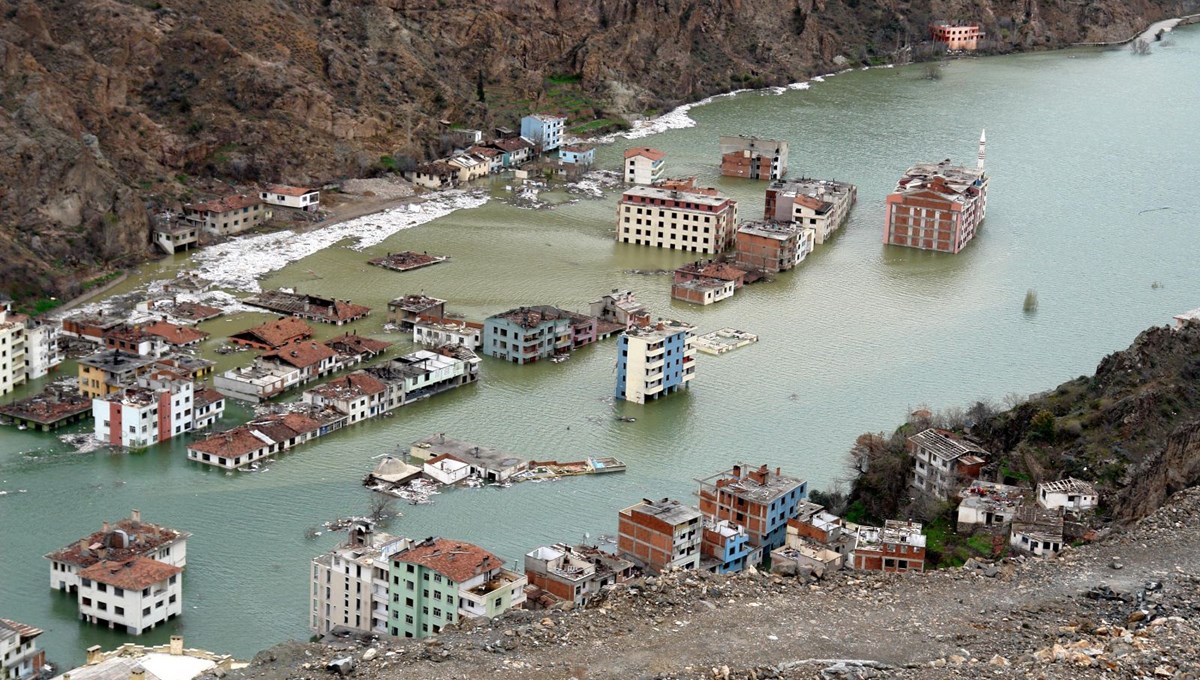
407,260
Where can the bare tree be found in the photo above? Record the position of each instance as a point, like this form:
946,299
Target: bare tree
1140,47
932,70
382,507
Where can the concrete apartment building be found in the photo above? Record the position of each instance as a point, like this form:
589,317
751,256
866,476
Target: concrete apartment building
644,165
104,373
577,154
358,395
297,198
1070,495
943,463
956,37
262,437
160,407
695,220
12,349
20,657
574,574
759,499
896,547
773,247
130,537
440,581
544,129
136,594
134,340
229,215
527,334
484,462
438,332
660,535
753,157
350,583
824,205
937,206
654,361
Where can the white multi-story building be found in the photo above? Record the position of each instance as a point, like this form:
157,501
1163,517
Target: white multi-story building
136,594
12,350
41,349
820,204
424,373
942,463
128,538
694,220
544,129
359,395
438,332
1037,530
20,657
208,405
350,583
160,407
644,165
1072,495
653,361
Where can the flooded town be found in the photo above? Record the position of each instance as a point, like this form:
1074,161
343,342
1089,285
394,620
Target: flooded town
773,340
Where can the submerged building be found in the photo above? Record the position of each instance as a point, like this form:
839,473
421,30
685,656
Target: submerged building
698,220
753,157
653,361
938,206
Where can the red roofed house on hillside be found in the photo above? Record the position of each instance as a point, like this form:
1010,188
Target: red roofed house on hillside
136,594
300,198
227,216
273,334
444,581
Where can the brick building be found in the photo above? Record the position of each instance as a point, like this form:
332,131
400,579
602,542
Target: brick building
760,500
660,535
937,206
965,37
897,547
753,158
773,246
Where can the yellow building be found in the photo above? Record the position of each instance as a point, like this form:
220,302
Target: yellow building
110,371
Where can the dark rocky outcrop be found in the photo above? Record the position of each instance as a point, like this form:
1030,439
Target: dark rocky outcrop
110,105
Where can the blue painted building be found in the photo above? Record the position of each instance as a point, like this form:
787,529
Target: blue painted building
526,334
653,361
577,154
543,129
726,547
760,500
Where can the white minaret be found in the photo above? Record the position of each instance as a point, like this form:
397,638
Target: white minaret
982,146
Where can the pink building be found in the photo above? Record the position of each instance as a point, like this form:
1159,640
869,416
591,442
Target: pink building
957,37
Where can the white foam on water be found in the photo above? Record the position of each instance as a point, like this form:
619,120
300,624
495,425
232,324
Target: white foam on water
239,262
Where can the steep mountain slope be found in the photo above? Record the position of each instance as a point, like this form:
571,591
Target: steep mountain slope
108,105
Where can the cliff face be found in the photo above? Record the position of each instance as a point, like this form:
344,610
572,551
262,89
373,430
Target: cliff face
109,105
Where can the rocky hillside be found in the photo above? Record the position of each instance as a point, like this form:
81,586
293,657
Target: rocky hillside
113,107
1074,616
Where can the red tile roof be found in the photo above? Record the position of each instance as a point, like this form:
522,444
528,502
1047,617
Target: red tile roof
26,631
356,384
287,190
652,154
132,574
226,203
302,354
457,560
357,344
206,396
143,538
277,333
174,334
236,442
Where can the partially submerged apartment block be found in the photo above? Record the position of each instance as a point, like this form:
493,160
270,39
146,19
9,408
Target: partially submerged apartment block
654,361
937,206
773,247
819,204
685,218
127,575
753,157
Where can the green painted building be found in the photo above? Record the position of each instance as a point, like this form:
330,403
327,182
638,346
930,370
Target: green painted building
438,581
